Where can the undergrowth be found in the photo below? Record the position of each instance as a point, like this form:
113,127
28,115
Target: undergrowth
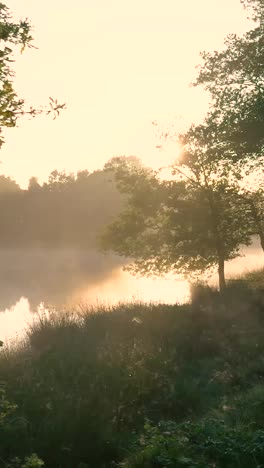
139,385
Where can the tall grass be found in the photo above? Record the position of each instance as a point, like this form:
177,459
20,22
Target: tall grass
84,383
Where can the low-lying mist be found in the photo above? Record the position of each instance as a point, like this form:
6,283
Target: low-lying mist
50,275
61,276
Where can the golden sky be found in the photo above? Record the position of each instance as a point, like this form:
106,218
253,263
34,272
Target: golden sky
119,65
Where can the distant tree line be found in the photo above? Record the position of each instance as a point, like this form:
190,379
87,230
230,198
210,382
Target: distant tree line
67,210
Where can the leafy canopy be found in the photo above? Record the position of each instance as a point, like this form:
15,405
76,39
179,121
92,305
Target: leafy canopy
182,225
234,78
15,35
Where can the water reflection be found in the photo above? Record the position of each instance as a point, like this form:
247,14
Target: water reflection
50,275
59,277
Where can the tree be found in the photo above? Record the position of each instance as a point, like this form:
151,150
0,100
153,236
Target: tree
252,197
234,78
59,181
8,185
257,8
11,106
209,166
190,224
33,184
255,202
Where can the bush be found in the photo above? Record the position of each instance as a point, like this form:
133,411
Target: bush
11,428
208,443
85,382
30,462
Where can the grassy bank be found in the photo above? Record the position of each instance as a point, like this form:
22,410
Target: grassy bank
139,386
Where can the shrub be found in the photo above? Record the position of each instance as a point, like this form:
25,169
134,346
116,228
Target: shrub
208,443
85,383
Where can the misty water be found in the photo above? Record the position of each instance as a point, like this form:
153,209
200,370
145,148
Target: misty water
34,279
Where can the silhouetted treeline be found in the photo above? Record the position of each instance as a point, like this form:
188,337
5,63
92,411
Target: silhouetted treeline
65,210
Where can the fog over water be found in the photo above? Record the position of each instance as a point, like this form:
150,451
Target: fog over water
65,277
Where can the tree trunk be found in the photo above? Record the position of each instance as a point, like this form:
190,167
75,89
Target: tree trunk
221,274
261,236
257,220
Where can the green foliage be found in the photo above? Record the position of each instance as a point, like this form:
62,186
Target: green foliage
255,202
187,225
257,8
255,279
108,370
199,219
206,443
6,408
33,462
233,133
234,78
15,36
11,429
11,34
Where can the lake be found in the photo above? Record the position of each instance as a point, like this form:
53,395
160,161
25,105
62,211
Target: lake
35,278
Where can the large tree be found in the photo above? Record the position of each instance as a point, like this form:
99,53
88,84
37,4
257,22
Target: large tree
189,224
209,166
254,200
235,79
201,219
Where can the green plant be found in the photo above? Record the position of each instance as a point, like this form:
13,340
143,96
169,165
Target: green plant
106,373
33,462
197,444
